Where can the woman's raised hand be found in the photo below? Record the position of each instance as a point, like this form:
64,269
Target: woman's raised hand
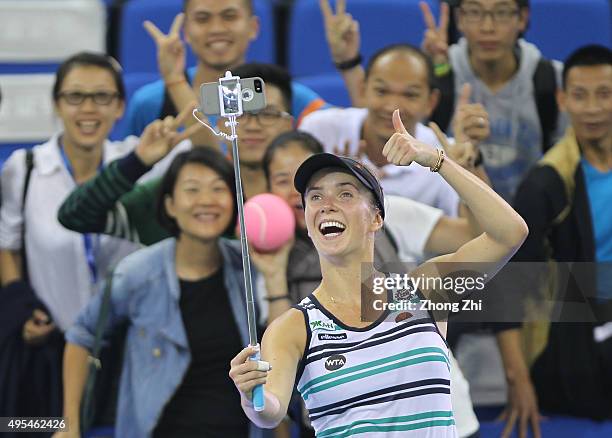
402,148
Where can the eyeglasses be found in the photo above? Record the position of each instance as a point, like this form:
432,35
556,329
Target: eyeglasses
99,97
477,15
266,117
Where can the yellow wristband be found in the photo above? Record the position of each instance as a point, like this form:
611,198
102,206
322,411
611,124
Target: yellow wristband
442,69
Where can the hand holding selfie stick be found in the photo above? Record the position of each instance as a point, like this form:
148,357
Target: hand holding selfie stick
230,99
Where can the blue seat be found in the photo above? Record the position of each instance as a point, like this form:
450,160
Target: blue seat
554,426
138,52
381,22
132,81
330,87
558,27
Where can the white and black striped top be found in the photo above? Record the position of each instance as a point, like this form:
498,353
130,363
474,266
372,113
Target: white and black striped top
391,378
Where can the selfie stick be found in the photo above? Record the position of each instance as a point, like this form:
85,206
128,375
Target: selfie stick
258,391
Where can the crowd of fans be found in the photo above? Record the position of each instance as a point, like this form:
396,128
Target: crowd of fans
142,230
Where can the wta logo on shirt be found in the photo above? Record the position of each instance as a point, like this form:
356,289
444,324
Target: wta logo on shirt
323,325
335,362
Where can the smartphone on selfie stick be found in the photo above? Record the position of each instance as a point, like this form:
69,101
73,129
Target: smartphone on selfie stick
231,97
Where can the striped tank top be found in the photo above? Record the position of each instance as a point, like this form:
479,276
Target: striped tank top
391,378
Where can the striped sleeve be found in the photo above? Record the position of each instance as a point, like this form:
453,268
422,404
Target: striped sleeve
94,207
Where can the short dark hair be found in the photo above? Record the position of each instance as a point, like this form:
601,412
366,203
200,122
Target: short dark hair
520,3
206,156
89,59
305,140
272,75
431,78
590,55
247,3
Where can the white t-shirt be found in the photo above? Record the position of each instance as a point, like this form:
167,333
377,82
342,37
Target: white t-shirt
335,127
410,223
56,257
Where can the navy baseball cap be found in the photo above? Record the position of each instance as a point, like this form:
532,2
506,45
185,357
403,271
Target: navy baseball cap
324,160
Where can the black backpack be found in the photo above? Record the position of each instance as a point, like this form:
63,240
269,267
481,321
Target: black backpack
544,86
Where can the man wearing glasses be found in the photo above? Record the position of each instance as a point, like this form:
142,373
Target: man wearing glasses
508,76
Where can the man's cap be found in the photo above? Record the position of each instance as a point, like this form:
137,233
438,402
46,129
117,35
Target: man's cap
325,160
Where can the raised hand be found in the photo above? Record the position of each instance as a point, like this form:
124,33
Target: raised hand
435,38
463,153
471,120
160,136
341,30
272,265
170,49
402,148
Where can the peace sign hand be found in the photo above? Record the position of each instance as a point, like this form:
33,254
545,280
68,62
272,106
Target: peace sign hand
435,39
341,30
170,49
161,136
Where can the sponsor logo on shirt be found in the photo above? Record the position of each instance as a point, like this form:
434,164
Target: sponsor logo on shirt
332,336
323,325
335,362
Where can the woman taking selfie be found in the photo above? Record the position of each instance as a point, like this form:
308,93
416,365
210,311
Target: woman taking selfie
387,376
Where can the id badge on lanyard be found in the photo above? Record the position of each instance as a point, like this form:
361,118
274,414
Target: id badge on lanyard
90,241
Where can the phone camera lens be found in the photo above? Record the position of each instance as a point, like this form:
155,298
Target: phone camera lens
257,84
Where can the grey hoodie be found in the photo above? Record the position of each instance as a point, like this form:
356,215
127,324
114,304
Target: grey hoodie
516,136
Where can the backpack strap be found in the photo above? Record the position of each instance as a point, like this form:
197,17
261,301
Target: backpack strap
544,89
29,165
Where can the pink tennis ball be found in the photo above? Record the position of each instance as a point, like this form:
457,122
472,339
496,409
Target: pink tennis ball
269,222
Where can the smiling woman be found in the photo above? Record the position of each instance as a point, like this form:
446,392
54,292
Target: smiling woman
184,303
362,369
62,267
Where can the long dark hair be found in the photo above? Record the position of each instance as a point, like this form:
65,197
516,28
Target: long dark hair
206,156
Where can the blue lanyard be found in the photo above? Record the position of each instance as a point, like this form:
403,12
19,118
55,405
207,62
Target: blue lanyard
87,238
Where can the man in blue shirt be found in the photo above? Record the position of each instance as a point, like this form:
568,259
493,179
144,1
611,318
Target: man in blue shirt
565,201
219,33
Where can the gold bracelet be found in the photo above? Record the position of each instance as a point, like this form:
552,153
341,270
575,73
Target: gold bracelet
438,164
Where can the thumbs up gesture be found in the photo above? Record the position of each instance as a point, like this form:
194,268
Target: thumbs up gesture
171,55
402,148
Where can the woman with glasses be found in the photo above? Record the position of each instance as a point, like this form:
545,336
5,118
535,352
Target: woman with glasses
63,268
